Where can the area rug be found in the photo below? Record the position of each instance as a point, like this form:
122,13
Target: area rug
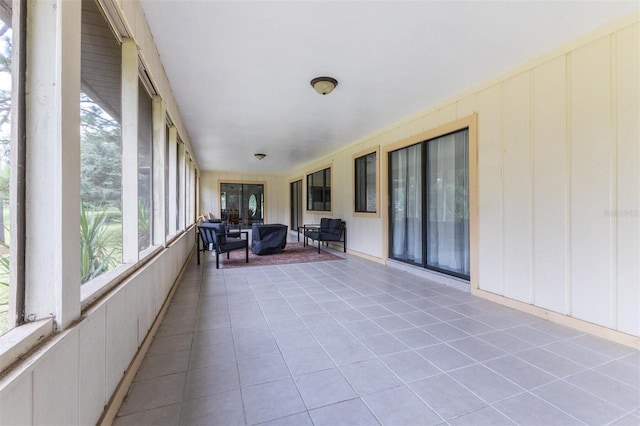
293,253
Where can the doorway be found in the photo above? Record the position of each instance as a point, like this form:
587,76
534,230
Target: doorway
242,203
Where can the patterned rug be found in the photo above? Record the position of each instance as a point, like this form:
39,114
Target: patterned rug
293,253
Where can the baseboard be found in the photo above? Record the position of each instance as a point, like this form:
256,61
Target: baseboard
364,255
578,324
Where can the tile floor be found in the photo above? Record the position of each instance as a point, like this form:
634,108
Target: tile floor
351,342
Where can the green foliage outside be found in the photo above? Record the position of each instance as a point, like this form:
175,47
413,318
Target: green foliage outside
98,243
100,190
100,185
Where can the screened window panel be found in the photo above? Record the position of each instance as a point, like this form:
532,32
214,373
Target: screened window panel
166,182
100,145
145,132
178,182
6,145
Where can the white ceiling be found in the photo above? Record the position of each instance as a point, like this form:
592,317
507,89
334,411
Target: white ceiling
240,71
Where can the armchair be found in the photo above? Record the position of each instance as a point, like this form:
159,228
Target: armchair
333,230
215,238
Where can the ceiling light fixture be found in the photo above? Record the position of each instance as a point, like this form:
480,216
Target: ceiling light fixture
324,85
260,156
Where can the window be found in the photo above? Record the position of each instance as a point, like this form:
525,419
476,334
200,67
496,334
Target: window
100,145
319,190
365,184
145,132
192,193
166,181
429,201
7,151
178,183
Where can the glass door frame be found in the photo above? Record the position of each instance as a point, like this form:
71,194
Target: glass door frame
262,202
424,202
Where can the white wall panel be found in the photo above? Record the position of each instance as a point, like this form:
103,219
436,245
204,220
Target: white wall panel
628,178
447,114
55,383
16,402
591,191
92,375
147,308
517,187
490,191
115,338
466,107
549,128
133,311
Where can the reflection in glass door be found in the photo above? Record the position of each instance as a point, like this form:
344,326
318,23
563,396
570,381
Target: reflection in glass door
242,203
295,190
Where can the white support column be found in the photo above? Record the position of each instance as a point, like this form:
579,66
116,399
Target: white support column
182,203
52,258
129,151
173,152
159,161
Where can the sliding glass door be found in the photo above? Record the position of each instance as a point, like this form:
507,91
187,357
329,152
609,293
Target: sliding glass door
242,203
429,208
448,204
406,204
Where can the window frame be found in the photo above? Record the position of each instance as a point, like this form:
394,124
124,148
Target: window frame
148,89
308,176
357,156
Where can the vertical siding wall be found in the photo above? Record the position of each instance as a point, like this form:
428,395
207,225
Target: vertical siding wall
558,161
558,175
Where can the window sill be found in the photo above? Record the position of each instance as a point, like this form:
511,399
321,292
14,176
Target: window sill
96,288
20,340
366,214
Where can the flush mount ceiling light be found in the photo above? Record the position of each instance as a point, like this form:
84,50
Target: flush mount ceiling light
260,156
324,85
